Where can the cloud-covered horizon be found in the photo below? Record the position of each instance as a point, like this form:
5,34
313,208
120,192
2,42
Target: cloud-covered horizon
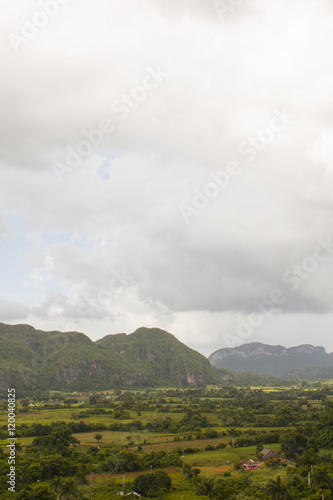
164,165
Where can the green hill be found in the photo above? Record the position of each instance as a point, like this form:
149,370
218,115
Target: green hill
310,373
303,361
149,357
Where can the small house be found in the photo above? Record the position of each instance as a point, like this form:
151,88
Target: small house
267,454
250,465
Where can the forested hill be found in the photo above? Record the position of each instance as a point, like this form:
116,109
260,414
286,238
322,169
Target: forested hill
34,359
303,361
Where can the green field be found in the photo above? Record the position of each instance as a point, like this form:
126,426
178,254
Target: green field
211,430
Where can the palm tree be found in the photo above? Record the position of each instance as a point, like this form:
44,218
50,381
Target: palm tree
98,437
56,486
232,432
206,487
75,442
307,430
65,489
70,490
309,459
322,480
277,490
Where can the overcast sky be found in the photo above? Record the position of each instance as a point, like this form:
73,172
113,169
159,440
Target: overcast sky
168,164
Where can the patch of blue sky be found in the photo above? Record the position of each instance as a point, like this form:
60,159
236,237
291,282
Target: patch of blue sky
15,247
77,238
104,168
80,240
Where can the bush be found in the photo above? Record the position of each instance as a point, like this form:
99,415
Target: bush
152,484
191,450
211,434
220,446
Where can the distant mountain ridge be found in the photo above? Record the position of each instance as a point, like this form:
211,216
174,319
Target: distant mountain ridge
33,359
275,360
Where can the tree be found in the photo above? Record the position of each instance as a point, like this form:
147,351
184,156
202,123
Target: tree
65,489
127,461
206,487
25,402
189,472
152,484
58,440
322,480
293,443
309,458
56,486
308,431
93,399
233,433
70,490
75,441
98,437
39,492
277,490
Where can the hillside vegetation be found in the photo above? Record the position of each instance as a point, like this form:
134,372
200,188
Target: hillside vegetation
34,359
303,361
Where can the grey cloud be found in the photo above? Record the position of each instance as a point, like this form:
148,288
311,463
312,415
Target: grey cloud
119,208
11,310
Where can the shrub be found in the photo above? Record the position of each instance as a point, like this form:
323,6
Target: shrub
152,484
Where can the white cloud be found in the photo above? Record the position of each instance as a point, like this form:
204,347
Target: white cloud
12,311
322,151
117,212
